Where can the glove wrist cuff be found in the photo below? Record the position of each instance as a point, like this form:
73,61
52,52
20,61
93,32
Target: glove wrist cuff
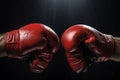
12,44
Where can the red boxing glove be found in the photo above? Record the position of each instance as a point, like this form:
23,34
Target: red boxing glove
33,39
75,38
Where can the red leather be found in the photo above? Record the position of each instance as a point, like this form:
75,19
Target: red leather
35,37
77,36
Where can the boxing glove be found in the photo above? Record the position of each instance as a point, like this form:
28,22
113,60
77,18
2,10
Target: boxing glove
79,38
34,39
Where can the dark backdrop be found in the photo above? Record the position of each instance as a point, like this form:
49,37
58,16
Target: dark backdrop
59,15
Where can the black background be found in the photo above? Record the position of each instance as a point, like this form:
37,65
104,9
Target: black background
59,15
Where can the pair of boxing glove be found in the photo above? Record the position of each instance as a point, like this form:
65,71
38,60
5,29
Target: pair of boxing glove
40,42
